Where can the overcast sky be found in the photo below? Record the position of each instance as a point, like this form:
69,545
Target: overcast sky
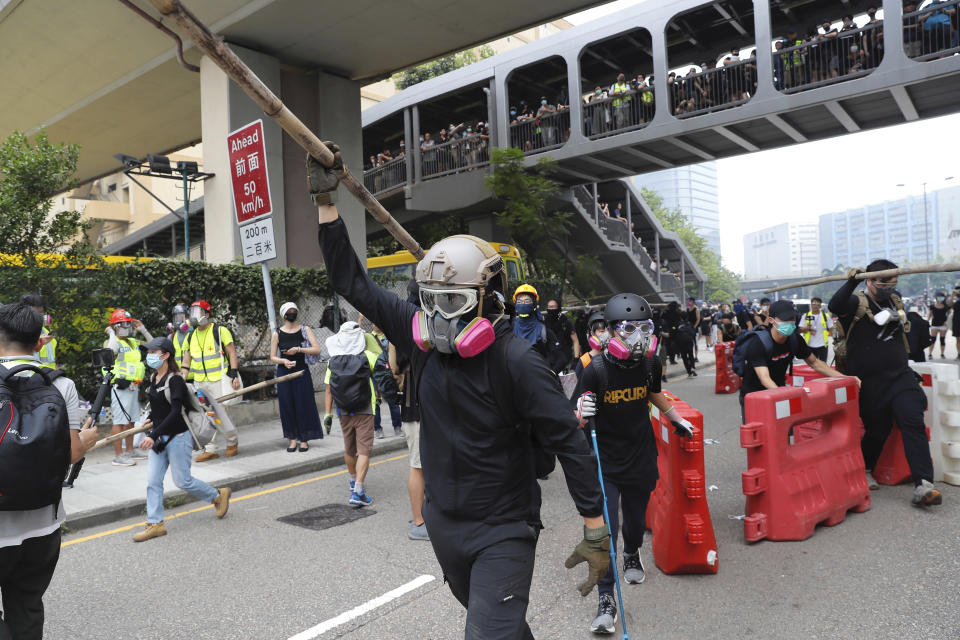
800,182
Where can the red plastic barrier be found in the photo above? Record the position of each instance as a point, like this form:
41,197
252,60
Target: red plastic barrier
678,516
727,381
802,374
891,466
791,489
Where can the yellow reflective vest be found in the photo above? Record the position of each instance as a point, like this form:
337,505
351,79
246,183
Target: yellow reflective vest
129,363
48,353
808,319
618,89
208,363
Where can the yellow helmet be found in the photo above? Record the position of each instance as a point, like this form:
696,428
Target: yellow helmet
526,288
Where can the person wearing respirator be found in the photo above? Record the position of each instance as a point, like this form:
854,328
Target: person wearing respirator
482,497
128,373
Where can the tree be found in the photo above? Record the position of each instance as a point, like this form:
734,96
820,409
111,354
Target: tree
438,67
30,175
541,234
722,284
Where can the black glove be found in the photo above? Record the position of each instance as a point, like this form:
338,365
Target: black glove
852,273
594,549
323,182
232,373
159,445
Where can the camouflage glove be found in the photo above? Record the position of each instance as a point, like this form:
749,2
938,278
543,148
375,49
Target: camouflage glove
852,273
594,549
328,422
323,182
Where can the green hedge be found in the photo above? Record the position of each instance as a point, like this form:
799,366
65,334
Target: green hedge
80,300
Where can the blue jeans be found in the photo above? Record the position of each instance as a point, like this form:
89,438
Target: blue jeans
176,456
394,416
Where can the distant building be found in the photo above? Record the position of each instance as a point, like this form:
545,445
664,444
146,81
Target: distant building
785,250
898,230
692,189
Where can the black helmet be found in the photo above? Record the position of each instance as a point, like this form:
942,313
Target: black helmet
626,306
596,318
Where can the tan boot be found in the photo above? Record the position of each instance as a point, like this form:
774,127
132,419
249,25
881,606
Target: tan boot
152,530
207,455
231,451
222,502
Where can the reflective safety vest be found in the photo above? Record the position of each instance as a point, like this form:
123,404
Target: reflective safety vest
48,353
646,96
207,361
620,88
179,339
808,320
129,362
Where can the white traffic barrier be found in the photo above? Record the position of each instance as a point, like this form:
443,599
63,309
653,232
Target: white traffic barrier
941,384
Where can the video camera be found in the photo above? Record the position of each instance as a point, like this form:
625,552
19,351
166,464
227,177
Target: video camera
103,360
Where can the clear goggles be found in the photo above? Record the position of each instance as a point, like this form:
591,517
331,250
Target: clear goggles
449,303
197,313
628,328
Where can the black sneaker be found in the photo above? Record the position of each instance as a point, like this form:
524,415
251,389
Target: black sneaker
606,620
633,568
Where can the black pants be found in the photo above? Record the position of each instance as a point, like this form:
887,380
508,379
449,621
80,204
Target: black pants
671,349
820,352
488,569
906,407
686,354
25,574
633,500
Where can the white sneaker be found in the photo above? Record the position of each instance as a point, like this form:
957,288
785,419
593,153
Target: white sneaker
136,454
872,483
123,461
606,620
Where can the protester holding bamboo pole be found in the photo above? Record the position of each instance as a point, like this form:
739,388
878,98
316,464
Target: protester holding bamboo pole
874,348
169,442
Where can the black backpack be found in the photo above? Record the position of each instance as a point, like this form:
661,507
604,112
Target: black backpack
34,439
383,378
350,381
743,342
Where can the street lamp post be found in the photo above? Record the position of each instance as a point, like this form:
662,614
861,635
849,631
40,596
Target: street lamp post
926,226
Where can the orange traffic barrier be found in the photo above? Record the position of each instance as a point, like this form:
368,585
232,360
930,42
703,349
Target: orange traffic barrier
678,516
791,488
727,381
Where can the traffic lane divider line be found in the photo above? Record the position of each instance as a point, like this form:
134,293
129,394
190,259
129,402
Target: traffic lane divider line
366,607
257,494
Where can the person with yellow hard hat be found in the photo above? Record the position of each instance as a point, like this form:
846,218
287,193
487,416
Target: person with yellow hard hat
211,358
529,325
128,373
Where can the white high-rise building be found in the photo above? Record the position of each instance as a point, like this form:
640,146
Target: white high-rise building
785,250
692,189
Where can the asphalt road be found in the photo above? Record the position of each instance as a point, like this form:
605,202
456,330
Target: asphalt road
892,572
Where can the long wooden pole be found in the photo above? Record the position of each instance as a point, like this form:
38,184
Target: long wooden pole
102,442
886,273
273,107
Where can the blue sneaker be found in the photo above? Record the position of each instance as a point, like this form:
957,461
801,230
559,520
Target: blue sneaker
362,500
352,482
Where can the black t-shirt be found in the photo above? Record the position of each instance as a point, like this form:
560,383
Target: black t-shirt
939,316
778,362
166,416
628,450
562,328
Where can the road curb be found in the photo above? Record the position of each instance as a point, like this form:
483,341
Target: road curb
132,508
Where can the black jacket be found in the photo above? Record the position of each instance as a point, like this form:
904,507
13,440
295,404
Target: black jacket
476,465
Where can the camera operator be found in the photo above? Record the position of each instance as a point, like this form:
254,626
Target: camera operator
30,538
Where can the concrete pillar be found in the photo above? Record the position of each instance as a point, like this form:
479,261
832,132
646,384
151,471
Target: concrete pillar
338,118
225,108
486,227
299,93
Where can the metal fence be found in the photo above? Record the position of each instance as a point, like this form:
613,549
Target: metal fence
386,177
539,134
828,59
618,113
469,152
711,90
933,31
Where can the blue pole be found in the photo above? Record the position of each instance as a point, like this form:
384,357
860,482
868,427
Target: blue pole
606,516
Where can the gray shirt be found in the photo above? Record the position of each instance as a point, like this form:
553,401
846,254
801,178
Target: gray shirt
17,526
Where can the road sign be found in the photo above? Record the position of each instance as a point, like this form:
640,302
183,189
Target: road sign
257,242
248,173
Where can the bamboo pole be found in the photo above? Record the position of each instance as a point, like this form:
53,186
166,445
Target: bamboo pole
273,107
146,425
886,273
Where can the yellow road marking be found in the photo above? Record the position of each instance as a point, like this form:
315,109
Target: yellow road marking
291,485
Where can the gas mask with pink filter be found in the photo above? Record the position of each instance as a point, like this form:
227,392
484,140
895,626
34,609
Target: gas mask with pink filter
632,340
444,323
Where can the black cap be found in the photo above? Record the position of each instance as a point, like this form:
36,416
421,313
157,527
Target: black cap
783,310
164,344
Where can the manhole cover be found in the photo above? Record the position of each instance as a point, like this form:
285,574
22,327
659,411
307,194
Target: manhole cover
326,516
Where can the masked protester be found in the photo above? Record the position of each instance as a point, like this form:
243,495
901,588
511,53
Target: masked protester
529,325
289,346
211,358
873,323
617,388
561,327
937,318
48,349
597,339
770,349
179,330
169,442
128,373
477,382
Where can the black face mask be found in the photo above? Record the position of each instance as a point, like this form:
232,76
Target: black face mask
553,313
290,317
882,294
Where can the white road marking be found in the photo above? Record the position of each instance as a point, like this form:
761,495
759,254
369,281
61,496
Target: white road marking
366,607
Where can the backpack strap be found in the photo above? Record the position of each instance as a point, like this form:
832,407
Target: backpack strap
585,359
6,374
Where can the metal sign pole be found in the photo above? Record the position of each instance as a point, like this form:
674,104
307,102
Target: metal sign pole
268,292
